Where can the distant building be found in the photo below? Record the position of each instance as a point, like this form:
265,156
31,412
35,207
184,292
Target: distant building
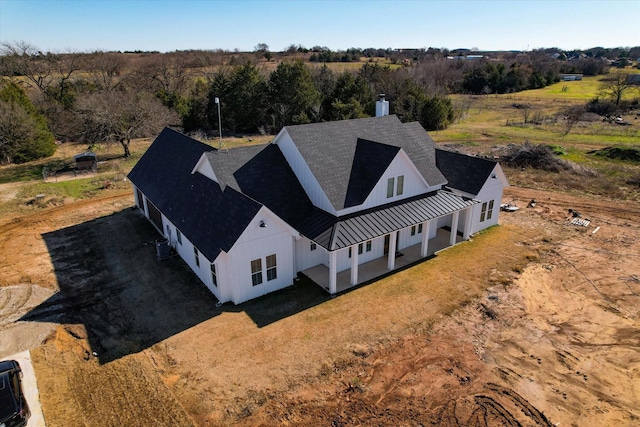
570,77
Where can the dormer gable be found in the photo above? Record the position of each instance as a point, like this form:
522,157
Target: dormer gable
204,167
400,180
370,162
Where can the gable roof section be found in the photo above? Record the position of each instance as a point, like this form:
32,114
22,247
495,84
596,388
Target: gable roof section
370,161
465,173
329,149
212,219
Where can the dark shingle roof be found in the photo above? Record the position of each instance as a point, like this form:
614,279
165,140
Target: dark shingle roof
465,173
163,174
263,174
370,161
329,149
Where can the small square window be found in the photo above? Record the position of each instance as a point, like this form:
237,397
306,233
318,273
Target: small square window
313,246
369,246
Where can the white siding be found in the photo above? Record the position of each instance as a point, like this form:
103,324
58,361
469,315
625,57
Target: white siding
185,250
303,172
306,258
377,249
491,190
204,167
260,242
414,184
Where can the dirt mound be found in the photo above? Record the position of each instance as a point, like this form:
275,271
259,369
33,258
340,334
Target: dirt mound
536,156
631,154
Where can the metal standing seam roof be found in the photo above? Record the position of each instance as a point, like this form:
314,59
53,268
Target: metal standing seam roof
360,228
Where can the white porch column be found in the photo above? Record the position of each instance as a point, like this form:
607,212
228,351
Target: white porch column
391,262
354,265
424,249
467,223
454,228
332,272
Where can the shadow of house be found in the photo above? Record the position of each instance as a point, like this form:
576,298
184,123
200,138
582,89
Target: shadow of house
111,281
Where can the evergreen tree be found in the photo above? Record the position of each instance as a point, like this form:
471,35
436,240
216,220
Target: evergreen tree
292,94
24,134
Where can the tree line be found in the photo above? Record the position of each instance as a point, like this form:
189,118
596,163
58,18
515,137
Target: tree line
111,96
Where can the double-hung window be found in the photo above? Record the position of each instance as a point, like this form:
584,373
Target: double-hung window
256,271
271,267
214,276
490,210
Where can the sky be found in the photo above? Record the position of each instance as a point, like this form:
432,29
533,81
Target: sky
169,25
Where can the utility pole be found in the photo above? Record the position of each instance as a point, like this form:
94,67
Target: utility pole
220,144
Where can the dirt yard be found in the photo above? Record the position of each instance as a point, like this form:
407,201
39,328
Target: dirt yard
534,322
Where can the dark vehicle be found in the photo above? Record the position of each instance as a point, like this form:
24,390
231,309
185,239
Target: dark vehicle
14,411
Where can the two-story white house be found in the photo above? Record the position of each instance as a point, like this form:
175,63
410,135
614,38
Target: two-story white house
340,202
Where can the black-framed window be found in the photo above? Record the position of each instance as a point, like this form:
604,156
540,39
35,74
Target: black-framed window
313,246
272,272
179,236
490,210
214,276
368,245
390,185
196,254
256,271
400,185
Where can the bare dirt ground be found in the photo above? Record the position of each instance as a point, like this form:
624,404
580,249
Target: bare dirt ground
534,322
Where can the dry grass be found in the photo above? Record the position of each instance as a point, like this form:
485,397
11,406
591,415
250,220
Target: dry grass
300,348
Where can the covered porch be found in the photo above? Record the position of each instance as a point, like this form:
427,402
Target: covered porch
368,271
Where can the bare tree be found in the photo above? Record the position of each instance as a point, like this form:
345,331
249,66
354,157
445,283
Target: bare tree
50,73
163,73
105,70
571,117
121,116
26,60
615,85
